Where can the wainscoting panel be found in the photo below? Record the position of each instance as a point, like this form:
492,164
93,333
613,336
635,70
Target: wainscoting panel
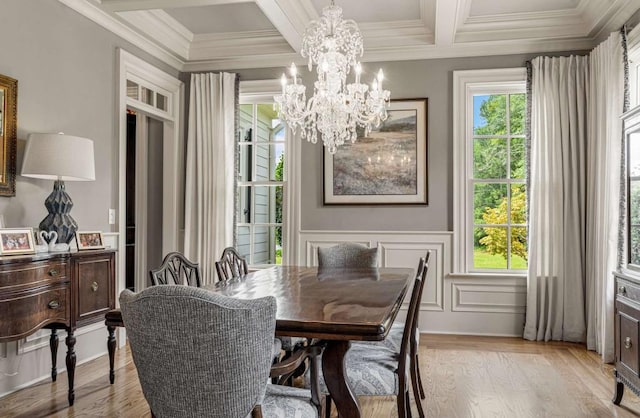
489,297
394,254
478,304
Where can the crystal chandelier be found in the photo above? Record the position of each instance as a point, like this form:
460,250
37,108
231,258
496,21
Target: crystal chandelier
336,108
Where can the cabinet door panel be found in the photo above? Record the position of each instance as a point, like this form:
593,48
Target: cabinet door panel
95,289
628,337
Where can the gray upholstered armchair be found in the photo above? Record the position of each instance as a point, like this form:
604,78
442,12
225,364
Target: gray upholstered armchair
347,254
203,354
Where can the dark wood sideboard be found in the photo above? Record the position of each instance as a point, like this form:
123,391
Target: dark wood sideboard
55,291
627,341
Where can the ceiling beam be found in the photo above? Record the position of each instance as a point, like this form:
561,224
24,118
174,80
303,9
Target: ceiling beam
131,5
290,18
446,22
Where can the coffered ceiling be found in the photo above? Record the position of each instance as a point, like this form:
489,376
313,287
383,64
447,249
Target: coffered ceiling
194,35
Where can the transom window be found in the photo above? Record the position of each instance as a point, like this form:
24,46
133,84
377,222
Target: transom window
260,184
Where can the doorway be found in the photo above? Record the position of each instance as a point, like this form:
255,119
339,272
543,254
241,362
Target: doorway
144,194
150,203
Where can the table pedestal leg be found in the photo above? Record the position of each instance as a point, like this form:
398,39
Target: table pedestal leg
336,379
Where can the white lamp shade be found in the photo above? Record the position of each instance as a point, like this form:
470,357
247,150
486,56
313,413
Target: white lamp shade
59,157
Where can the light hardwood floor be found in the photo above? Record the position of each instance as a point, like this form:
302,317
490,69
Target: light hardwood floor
464,377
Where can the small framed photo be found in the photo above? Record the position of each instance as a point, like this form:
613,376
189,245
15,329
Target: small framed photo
89,240
16,241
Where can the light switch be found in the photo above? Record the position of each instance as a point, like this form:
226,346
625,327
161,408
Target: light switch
112,216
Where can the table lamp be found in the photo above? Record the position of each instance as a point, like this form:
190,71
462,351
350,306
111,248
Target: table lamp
61,158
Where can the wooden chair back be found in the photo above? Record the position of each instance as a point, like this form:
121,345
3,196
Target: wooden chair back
176,269
231,265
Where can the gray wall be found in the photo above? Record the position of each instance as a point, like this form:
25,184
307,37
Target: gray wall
66,67
406,79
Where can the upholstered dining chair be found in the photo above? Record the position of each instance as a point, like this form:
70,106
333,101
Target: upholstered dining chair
175,269
394,341
377,370
215,366
347,254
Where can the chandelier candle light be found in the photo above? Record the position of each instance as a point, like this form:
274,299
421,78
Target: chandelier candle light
336,108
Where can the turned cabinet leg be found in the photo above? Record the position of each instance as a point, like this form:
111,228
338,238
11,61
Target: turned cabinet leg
53,344
111,346
617,397
71,363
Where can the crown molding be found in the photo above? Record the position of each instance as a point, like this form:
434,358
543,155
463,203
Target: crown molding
172,43
112,24
406,32
604,17
237,45
131,5
159,25
474,49
290,18
244,62
405,53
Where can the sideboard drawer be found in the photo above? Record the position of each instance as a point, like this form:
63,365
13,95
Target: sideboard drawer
17,276
627,289
24,313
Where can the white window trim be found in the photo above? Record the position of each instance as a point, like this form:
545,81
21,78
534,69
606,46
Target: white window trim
262,91
465,83
633,52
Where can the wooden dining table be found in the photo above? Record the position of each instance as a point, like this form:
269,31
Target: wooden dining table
337,305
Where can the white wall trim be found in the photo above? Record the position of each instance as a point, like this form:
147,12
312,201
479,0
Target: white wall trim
132,67
141,200
463,297
464,84
112,24
40,339
479,304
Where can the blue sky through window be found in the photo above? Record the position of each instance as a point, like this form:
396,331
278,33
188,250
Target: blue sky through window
478,121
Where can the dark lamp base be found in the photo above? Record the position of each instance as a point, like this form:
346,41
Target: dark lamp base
59,205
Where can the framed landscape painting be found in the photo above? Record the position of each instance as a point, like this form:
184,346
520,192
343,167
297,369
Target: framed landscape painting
387,167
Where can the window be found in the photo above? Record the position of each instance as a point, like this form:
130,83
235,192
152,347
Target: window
491,229
260,184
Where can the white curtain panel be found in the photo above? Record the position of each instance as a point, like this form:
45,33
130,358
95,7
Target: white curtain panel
556,288
606,98
209,189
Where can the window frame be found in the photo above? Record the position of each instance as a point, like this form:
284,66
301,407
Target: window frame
633,52
467,84
262,92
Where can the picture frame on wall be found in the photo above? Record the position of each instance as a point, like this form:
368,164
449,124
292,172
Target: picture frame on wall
15,241
89,240
388,166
